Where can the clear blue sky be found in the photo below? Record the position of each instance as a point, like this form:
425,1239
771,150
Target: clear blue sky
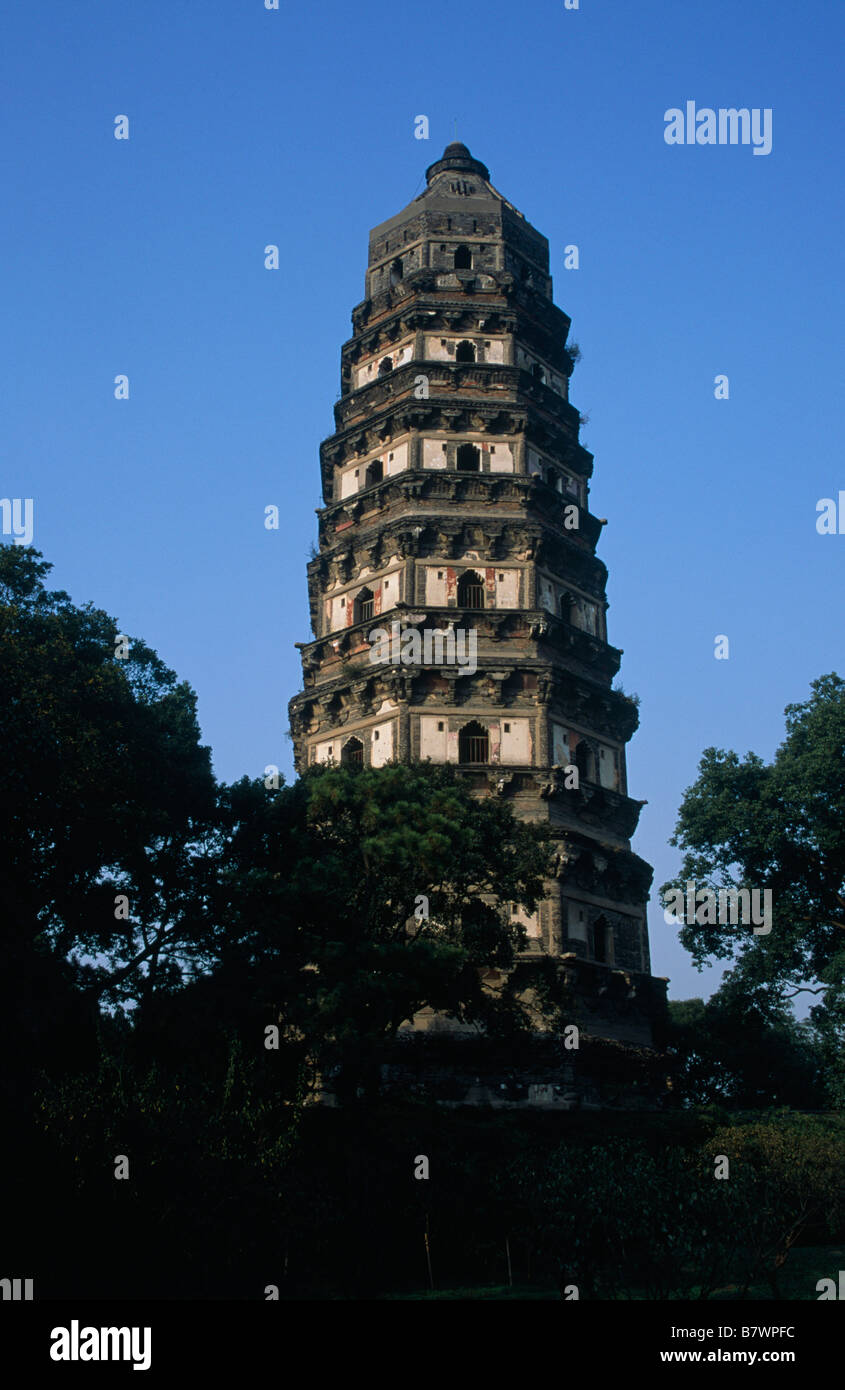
247,127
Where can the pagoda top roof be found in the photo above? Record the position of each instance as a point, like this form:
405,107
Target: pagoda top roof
471,190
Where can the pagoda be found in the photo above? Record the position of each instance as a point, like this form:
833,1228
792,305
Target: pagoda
457,506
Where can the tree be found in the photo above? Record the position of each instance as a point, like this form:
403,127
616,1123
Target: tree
787,1173
728,1051
359,896
778,827
106,797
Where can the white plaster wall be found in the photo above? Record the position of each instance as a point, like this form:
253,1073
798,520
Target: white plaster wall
607,768
560,745
434,453
437,351
497,458
381,744
368,371
584,616
390,591
436,588
385,595
507,588
442,745
329,750
350,480
433,741
395,460
387,591
516,741
500,457
337,615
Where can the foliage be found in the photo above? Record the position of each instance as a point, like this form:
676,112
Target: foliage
778,827
357,897
747,1053
106,790
787,1173
625,1219
335,909
208,1136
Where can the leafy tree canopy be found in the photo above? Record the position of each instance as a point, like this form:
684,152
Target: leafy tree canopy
106,791
358,896
777,826
732,1050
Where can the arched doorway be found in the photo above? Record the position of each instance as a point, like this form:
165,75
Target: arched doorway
353,753
602,941
364,606
584,761
467,458
470,590
473,743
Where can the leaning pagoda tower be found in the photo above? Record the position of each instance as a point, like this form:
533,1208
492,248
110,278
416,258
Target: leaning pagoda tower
457,500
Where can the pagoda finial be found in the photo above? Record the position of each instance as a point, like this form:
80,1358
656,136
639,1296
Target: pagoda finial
457,158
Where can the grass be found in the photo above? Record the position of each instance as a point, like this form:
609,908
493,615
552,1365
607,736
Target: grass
796,1281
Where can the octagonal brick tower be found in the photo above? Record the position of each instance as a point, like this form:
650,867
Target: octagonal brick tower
457,497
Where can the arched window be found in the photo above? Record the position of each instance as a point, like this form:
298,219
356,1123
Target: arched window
463,258
396,271
538,373
602,939
374,474
473,744
584,761
564,605
385,366
551,477
468,458
364,606
353,753
465,351
470,590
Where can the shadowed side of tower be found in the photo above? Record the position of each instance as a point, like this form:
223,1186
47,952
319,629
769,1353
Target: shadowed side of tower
457,503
